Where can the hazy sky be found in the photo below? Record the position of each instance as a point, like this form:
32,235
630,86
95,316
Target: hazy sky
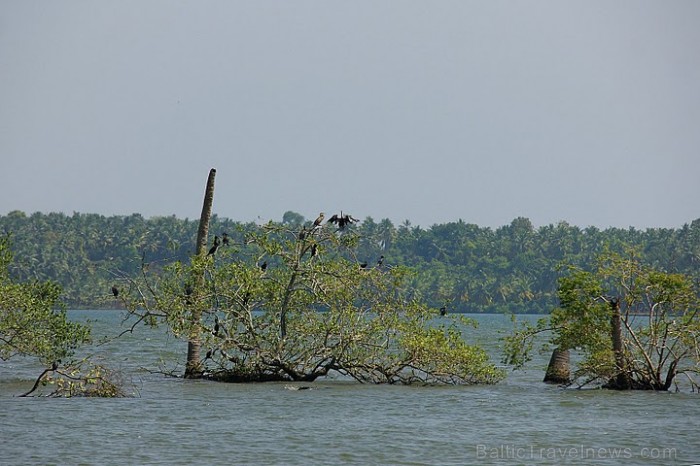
587,112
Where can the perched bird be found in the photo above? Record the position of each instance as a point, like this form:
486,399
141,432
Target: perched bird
342,220
380,261
54,365
224,238
213,249
363,265
302,233
115,291
209,354
216,327
314,249
443,311
317,222
263,266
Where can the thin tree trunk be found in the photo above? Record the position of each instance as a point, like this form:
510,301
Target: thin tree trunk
558,370
193,368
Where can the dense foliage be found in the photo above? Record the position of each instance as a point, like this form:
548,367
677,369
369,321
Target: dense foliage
634,326
295,303
462,266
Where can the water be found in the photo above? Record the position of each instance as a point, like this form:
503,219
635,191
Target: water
174,421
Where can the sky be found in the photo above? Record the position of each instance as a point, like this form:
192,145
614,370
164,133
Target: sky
581,111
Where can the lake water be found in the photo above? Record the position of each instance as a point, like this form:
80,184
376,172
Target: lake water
175,421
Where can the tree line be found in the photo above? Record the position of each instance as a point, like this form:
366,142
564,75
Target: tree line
460,266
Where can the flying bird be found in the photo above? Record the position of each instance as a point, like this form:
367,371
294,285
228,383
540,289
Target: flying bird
342,220
115,291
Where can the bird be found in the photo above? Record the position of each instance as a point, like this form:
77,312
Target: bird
115,291
317,222
342,220
263,266
363,265
209,354
224,238
314,250
302,234
443,311
213,249
380,261
54,365
216,326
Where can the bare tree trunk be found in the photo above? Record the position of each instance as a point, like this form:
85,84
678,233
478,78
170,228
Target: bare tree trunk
621,381
558,370
193,368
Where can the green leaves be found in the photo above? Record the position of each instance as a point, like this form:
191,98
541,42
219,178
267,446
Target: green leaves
659,323
312,309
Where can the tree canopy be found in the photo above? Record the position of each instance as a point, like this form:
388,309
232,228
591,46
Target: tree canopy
296,304
636,327
465,267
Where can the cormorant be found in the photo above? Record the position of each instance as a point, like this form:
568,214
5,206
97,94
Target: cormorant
224,238
363,265
209,354
342,220
115,291
443,311
213,249
314,249
263,266
317,222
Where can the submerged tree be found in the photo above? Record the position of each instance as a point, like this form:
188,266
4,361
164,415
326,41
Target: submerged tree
294,304
33,323
636,327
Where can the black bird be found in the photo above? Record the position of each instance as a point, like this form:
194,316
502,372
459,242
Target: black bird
363,265
213,249
317,222
54,365
188,294
443,311
342,220
115,291
314,250
302,233
209,354
263,266
224,239
380,261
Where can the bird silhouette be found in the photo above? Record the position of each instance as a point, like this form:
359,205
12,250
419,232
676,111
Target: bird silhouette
380,261
263,266
443,311
224,238
115,291
342,220
363,265
213,249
